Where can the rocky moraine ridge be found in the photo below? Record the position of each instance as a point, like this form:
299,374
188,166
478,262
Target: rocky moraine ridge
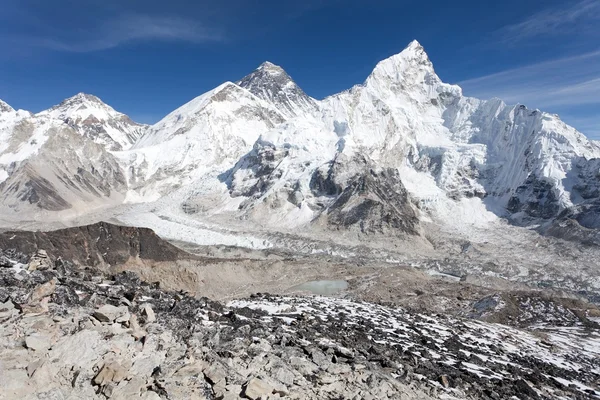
73,332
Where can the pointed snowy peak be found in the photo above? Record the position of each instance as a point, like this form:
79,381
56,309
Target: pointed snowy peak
271,83
414,53
94,119
411,65
272,69
5,107
78,104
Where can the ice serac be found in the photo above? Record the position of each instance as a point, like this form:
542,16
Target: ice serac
271,83
92,118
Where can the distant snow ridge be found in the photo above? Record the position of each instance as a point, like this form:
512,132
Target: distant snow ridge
411,146
90,117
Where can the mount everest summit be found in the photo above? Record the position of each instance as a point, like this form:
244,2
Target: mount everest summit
386,156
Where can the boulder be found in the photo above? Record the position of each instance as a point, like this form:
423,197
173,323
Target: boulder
109,313
40,261
7,310
42,291
214,374
148,312
111,372
38,342
256,389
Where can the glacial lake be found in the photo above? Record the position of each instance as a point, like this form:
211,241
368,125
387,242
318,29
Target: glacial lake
323,288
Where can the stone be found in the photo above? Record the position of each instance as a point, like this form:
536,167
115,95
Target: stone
7,310
123,318
284,375
79,350
148,312
150,395
136,330
214,374
38,342
40,261
445,381
42,291
111,372
6,262
32,367
256,388
109,313
38,308
131,390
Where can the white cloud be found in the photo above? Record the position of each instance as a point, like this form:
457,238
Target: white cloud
587,124
567,81
130,28
582,16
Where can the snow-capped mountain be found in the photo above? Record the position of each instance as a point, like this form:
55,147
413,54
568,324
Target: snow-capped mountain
401,148
447,147
271,83
90,117
47,165
200,138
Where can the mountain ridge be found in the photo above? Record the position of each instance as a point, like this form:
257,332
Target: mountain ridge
271,139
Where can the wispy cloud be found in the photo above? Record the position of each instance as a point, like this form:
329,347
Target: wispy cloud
126,29
590,125
582,16
562,82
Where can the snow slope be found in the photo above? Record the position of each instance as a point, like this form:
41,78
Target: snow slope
47,165
90,117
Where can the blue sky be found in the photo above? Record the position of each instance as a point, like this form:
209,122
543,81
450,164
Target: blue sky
147,57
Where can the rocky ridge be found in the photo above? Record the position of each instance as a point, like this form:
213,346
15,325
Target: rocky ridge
74,332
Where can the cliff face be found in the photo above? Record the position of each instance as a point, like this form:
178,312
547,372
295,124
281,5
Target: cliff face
98,245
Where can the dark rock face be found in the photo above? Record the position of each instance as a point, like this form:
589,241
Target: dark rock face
262,164
588,179
568,227
331,179
536,198
271,83
100,244
375,202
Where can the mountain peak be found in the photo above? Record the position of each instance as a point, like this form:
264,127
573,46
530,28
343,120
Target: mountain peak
5,107
414,53
271,83
96,120
271,68
414,45
411,66
83,98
